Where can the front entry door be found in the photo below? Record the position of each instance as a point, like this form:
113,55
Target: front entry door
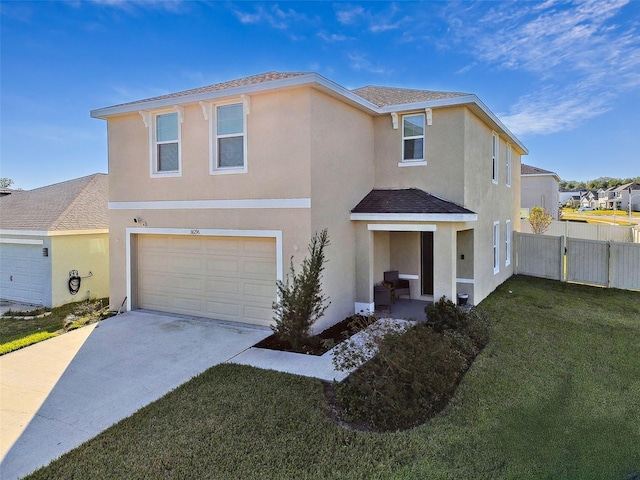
426,256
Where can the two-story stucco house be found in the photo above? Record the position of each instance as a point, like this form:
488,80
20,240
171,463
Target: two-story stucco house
212,191
539,188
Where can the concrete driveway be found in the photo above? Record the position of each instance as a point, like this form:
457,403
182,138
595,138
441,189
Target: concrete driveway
59,393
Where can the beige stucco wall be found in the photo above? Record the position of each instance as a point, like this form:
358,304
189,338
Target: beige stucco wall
288,156
341,175
444,155
492,202
84,253
541,191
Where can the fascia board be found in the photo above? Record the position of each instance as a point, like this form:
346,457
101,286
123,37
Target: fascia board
416,217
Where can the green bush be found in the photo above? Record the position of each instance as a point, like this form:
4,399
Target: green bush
414,372
300,298
25,342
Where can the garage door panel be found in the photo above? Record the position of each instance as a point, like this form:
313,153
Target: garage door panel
227,278
261,291
223,310
217,265
224,286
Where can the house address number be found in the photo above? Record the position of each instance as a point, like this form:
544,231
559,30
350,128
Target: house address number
195,232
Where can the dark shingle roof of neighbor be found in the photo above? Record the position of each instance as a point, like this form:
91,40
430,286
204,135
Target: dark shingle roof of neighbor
408,200
386,96
78,204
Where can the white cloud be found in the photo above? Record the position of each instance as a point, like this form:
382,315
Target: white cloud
274,16
331,37
360,61
582,54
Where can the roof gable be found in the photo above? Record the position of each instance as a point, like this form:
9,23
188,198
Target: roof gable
79,204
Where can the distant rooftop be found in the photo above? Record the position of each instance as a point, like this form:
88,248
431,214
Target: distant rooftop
79,204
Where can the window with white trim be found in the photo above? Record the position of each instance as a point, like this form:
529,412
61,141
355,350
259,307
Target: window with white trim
507,241
229,145
495,146
496,247
509,155
165,134
413,138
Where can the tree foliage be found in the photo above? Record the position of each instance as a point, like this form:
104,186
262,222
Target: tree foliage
600,182
5,182
540,220
301,301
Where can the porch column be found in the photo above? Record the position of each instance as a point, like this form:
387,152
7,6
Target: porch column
445,263
364,269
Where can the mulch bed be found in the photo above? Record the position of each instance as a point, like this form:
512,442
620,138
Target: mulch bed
324,341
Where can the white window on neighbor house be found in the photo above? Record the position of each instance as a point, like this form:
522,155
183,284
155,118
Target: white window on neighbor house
495,145
165,144
507,242
509,155
229,149
413,138
496,247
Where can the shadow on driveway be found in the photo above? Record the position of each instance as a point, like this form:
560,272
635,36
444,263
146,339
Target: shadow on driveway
121,365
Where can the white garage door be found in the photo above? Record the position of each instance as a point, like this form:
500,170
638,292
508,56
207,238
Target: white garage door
22,273
226,278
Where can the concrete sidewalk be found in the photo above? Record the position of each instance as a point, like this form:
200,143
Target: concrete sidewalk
59,393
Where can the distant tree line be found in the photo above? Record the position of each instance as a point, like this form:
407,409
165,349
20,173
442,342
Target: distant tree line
602,182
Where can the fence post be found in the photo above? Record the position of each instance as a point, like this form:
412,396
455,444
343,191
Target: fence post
610,263
563,258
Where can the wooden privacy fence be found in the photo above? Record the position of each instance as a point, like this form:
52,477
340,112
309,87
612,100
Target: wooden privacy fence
589,231
594,262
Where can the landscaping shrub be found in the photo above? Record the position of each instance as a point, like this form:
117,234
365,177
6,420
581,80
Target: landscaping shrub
414,372
300,298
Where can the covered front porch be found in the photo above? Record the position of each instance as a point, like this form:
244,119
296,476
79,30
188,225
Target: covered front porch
428,244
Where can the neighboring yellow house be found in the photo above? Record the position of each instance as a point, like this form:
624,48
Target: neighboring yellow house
540,188
213,190
54,243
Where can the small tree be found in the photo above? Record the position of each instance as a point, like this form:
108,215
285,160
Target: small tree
540,220
300,299
5,182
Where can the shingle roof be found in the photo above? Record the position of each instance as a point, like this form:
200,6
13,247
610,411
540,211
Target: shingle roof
408,200
386,96
530,170
79,204
239,82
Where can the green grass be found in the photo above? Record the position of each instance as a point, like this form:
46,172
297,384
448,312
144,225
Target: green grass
555,395
16,328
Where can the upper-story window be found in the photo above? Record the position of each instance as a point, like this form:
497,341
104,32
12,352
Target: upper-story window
413,138
167,143
495,145
229,149
509,159
165,153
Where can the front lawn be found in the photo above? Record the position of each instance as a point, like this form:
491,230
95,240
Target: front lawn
555,394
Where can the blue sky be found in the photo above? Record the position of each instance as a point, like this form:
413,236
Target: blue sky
564,76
